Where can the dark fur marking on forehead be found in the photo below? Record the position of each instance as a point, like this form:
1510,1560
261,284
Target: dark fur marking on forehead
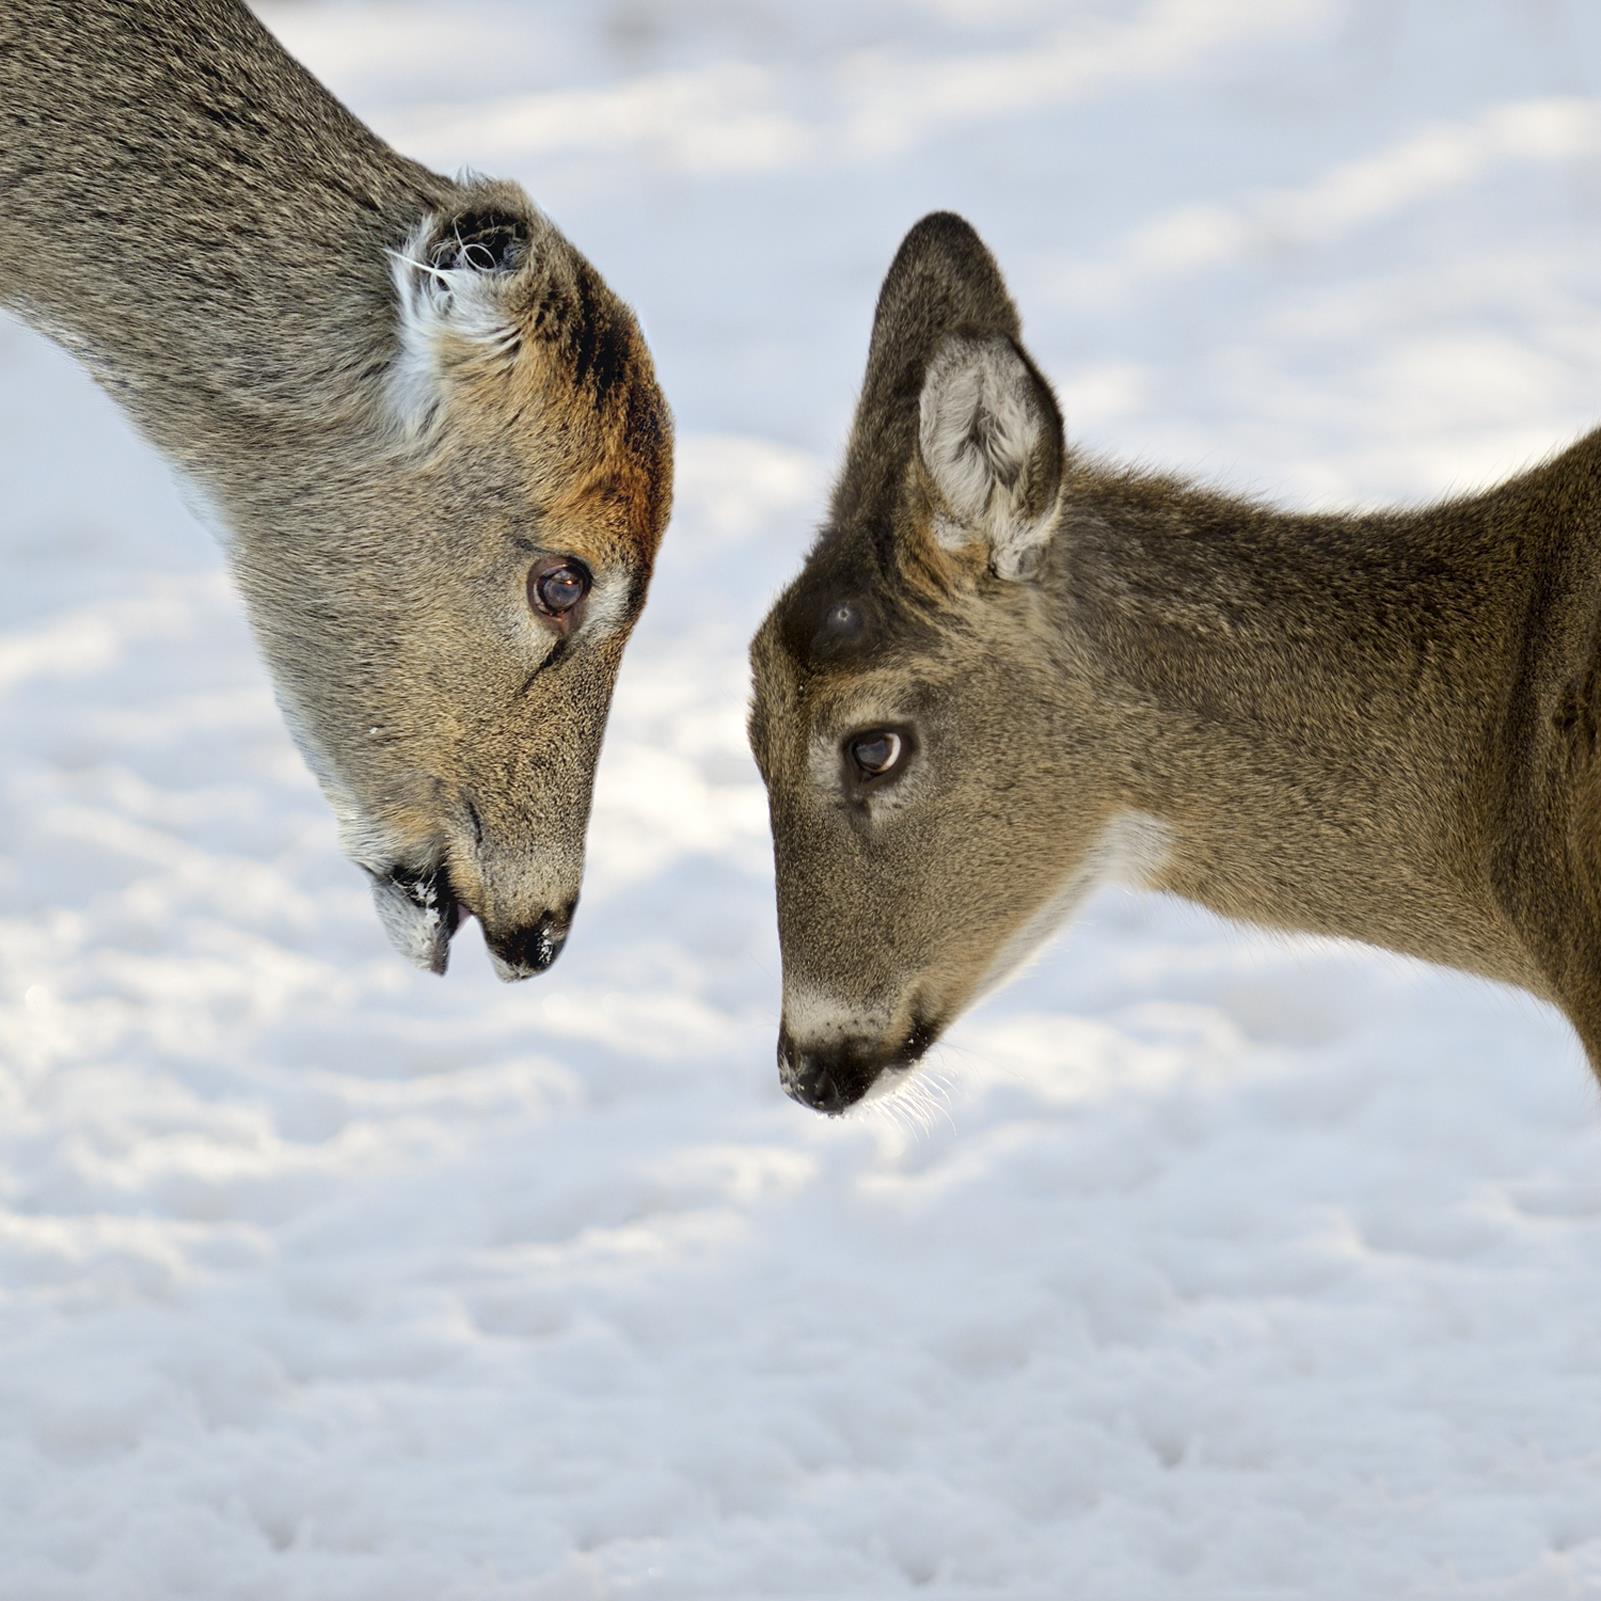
545,313
843,626
645,419
647,435
840,610
600,335
844,622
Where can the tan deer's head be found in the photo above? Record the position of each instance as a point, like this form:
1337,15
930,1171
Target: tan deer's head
928,753
443,583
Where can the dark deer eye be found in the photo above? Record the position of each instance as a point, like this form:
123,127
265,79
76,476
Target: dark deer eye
877,754
555,589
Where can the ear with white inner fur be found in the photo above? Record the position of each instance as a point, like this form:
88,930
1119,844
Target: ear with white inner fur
991,439
451,280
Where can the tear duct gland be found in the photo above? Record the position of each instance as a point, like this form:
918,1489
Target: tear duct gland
1378,727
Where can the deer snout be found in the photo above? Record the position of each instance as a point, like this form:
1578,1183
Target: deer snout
834,1075
528,949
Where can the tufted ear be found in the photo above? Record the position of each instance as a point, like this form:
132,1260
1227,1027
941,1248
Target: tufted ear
949,389
990,438
455,279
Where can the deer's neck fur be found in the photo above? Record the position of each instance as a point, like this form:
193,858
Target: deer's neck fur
1369,726
187,209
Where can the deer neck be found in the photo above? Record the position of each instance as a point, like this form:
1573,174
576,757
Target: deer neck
219,261
1316,708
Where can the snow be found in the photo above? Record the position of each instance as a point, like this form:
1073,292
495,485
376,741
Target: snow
1235,1266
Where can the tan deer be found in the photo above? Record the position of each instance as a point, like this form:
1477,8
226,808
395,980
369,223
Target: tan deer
430,434
1008,672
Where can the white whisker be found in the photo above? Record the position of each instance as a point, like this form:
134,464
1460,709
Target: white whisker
420,266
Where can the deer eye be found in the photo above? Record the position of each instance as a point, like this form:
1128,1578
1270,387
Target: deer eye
877,754
555,588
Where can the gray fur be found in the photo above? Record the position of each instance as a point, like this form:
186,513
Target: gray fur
187,210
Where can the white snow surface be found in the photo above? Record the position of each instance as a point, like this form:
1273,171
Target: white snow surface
1237,1267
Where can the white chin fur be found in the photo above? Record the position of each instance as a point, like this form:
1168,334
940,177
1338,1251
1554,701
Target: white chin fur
417,931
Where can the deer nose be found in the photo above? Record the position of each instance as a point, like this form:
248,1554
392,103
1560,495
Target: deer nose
828,1078
520,953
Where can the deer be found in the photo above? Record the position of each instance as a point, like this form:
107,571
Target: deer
1008,673
429,436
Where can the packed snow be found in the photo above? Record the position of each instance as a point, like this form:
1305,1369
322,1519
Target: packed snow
1223,1265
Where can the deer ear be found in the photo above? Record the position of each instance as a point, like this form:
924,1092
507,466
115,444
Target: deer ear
479,242
454,283
985,434
990,438
942,278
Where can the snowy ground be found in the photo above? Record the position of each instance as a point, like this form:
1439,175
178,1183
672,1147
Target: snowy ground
1238,1268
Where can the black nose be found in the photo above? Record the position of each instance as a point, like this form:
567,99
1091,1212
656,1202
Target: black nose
522,952
829,1078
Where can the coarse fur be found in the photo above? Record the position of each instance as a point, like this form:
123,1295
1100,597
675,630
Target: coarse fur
394,392
1382,727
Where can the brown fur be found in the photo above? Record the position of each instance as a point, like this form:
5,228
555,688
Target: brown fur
190,212
1382,727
